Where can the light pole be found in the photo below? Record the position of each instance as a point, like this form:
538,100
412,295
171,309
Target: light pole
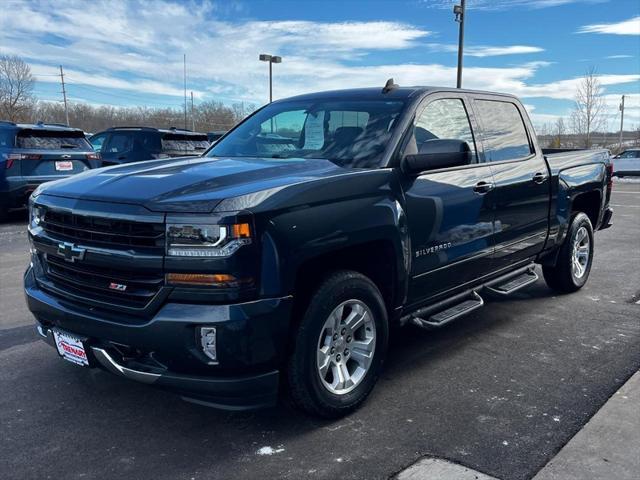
459,11
271,59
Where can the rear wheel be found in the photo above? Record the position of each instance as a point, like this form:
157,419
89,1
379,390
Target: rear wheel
573,264
339,346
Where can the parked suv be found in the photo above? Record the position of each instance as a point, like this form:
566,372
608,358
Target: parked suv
33,154
133,144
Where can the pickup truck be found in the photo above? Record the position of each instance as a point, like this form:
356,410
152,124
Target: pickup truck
279,260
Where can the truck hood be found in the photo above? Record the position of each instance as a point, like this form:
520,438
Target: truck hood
192,184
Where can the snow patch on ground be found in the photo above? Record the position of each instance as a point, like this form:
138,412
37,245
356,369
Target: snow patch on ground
269,450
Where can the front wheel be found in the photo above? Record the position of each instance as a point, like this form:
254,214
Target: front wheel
573,264
339,347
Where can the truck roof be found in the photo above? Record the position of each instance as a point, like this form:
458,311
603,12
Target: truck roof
376,93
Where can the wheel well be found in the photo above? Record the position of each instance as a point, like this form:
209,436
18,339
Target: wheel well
375,260
588,203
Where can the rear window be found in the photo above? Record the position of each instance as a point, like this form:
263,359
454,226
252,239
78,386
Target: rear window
505,136
174,142
52,140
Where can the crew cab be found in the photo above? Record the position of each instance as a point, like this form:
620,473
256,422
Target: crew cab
31,154
283,256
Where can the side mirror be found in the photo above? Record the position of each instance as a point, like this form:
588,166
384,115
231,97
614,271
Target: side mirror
437,153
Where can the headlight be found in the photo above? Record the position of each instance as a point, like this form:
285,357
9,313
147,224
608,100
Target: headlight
36,215
206,240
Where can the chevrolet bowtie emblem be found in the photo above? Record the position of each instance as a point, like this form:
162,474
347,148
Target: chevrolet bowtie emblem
70,252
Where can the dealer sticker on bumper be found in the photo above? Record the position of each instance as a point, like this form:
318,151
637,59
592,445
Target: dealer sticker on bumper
70,348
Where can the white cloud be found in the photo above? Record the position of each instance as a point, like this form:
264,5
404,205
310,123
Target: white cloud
626,27
484,50
137,51
504,4
611,57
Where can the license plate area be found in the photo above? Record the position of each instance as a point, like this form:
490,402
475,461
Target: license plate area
64,166
70,347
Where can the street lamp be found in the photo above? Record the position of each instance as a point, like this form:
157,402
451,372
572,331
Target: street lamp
271,59
459,11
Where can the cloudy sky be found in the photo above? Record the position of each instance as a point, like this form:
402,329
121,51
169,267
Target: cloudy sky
131,52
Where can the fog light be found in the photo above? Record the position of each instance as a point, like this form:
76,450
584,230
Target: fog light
208,342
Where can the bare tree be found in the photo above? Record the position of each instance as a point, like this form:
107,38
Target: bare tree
587,115
16,88
560,131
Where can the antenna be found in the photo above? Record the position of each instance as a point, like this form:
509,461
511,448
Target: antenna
389,86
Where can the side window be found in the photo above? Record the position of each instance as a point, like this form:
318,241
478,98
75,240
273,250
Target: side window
120,143
444,119
97,141
505,136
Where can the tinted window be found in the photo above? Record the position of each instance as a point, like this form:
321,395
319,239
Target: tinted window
120,142
630,154
97,141
349,133
505,136
6,138
177,143
52,140
445,119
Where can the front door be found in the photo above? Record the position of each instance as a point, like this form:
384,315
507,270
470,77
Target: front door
522,181
448,210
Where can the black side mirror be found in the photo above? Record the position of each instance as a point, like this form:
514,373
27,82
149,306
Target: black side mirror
437,153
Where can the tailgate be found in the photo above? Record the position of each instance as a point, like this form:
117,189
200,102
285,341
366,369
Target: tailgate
40,164
46,153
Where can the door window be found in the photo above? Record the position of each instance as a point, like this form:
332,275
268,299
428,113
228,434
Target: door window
97,141
443,119
504,134
120,143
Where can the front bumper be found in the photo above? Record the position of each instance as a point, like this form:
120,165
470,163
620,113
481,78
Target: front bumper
163,351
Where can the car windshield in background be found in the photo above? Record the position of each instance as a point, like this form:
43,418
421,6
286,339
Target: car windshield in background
349,133
176,143
43,140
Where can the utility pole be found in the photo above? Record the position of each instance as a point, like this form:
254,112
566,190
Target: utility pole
185,90
64,95
621,120
460,13
193,119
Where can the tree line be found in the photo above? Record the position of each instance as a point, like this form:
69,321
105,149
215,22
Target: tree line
19,104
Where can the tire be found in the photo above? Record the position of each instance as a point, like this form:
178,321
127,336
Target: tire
348,295
566,276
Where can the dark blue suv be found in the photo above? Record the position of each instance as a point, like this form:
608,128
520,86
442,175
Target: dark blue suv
34,154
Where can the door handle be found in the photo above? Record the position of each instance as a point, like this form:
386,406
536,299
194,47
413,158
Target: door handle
539,178
483,187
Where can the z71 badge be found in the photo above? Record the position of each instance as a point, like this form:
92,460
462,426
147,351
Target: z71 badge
434,249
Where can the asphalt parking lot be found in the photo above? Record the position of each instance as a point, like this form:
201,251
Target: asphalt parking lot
500,391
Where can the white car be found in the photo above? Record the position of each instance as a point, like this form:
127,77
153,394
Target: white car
627,163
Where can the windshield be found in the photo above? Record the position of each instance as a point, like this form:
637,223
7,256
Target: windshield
349,133
52,140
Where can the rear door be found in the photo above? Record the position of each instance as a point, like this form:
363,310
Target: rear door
522,184
52,153
118,148
448,210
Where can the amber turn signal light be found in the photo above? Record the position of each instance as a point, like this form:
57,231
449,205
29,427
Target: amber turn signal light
219,280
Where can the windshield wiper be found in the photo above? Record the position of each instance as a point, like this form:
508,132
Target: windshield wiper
68,145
